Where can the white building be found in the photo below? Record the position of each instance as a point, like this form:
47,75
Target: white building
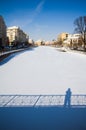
31,42
15,34
72,40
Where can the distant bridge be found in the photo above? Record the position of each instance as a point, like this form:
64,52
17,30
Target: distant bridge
40,100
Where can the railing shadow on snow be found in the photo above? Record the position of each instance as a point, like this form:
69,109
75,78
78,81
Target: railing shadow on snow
77,101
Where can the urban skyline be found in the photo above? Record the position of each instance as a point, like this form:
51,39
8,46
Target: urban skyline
42,19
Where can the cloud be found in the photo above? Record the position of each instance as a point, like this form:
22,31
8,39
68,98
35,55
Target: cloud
28,18
39,7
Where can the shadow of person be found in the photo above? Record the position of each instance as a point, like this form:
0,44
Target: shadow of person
67,100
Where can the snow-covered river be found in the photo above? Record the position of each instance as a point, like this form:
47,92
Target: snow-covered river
43,70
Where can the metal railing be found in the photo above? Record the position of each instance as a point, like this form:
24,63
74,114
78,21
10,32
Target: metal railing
40,100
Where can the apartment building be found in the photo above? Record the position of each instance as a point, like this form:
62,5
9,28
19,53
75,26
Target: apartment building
61,37
39,42
15,34
2,32
73,40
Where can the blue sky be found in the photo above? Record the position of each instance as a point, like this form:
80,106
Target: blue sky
42,19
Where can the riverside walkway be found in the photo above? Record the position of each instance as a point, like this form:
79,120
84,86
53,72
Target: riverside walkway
41,100
9,52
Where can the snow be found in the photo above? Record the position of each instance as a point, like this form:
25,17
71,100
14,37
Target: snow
40,100
43,70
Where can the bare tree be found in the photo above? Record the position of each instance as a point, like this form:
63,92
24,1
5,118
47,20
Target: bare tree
80,27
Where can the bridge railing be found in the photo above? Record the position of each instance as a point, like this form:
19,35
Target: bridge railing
40,100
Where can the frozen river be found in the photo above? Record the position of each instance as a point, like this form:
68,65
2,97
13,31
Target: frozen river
43,70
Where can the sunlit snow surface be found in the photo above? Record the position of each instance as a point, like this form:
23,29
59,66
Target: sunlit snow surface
44,70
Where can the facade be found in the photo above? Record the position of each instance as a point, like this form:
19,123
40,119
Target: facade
62,37
39,42
73,41
47,43
15,34
2,32
31,42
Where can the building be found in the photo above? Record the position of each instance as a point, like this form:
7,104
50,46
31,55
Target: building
47,43
39,42
61,37
2,32
31,42
16,35
73,41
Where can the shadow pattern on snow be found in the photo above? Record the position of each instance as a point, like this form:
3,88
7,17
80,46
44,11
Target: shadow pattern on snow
76,101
